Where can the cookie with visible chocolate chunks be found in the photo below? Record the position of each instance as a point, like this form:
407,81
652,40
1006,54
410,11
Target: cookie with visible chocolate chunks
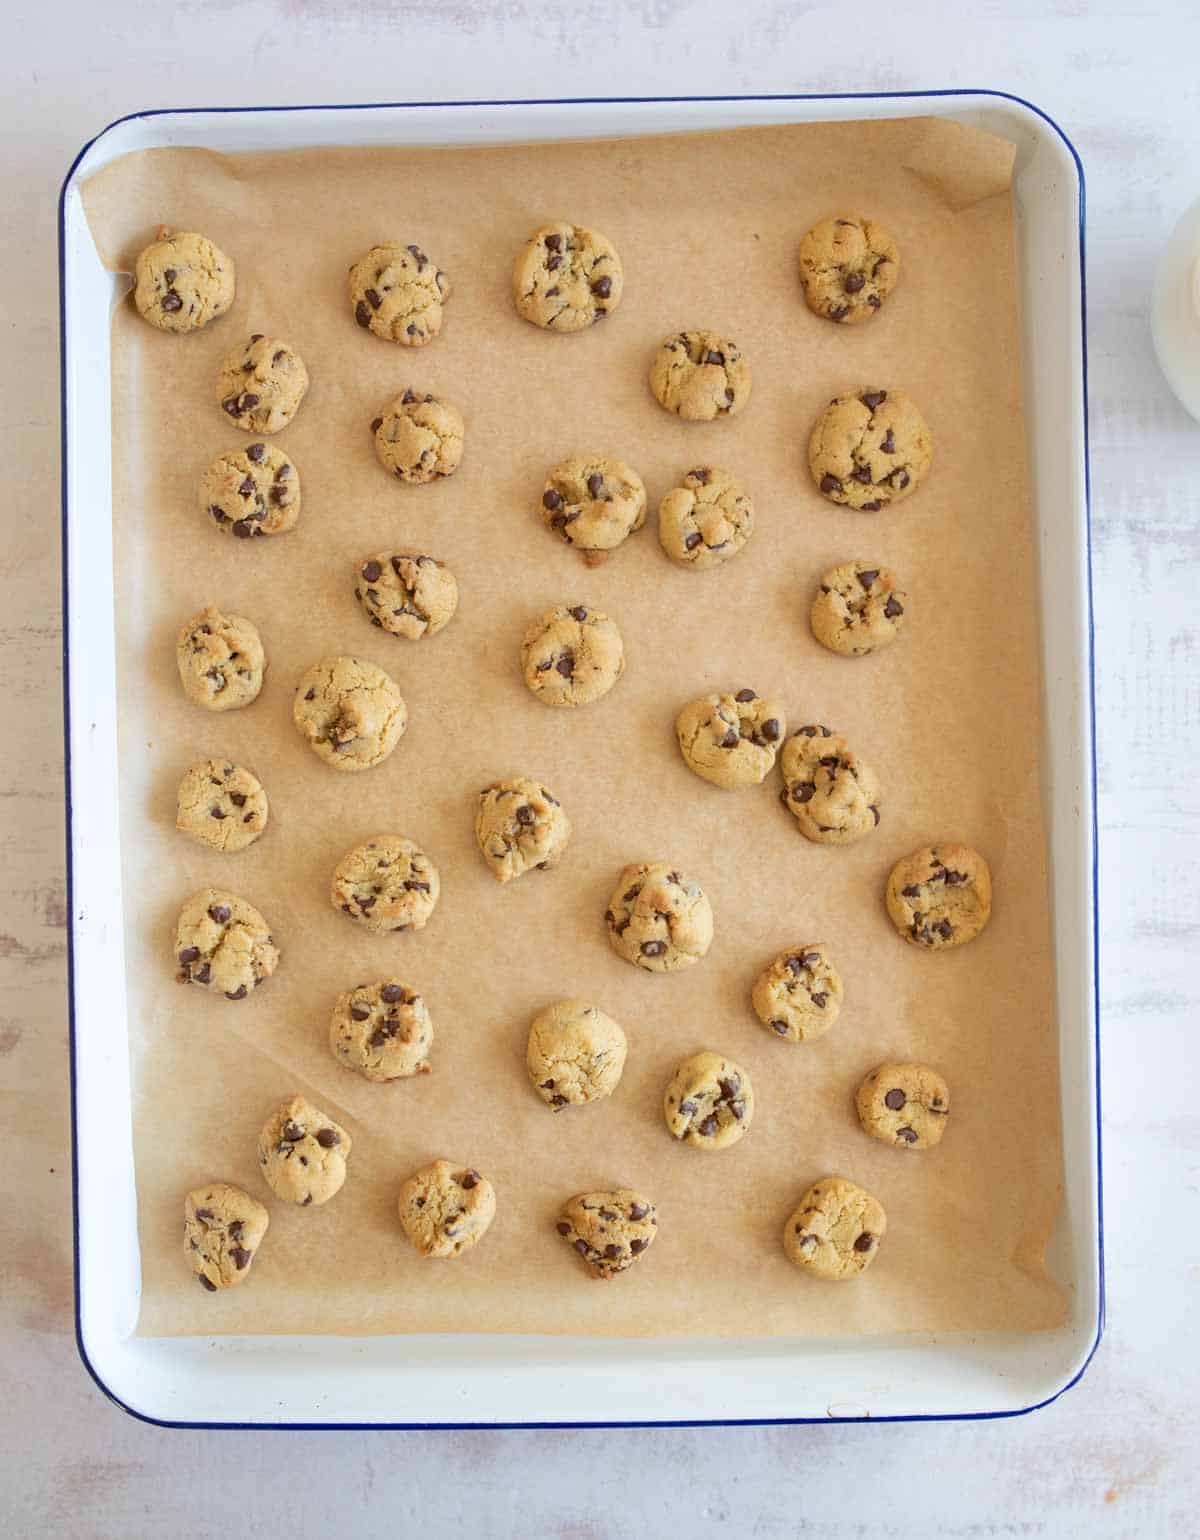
419,438
905,1105
386,884
658,919
566,277
261,384
446,1209
700,376
593,502
940,896
799,997
870,449
251,492
830,792
220,659
221,805
182,281
858,609
848,267
609,1230
707,520
303,1153
730,739
349,712
223,1227
397,293
575,1054
572,655
835,1231
709,1102
382,1031
223,943
405,594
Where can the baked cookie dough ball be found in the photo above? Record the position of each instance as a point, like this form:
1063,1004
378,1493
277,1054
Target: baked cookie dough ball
182,282
349,712
730,739
520,827
405,594
593,502
223,943
261,384
858,609
382,1031
870,449
709,1102
252,492
397,293
608,1230
835,1231
706,521
848,267
446,1209
905,1105
799,997
940,896
572,655
221,805
223,1228
566,277
659,919
303,1153
575,1054
830,792
386,884
221,660
700,376
419,438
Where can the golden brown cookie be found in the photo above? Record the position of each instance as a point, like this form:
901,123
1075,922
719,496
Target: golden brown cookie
223,943
848,267
386,884
252,492
835,1231
940,896
707,520
858,609
520,827
575,1054
800,995
700,376
221,660
593,502
906,1105
349,712
658,919
405,594
221,804
870,449
182,282
261,384
832,795
446,1209
223,1228
303,1153
566,277
730,739
418,438
709,1102
382,1031
397,293
609,1230
572,655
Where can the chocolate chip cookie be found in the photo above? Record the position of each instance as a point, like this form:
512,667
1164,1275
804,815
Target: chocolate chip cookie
386,884
609,1230
221,804
859,608
904,1104
575,1054
221,660
940,896
382,1031
520,827
565,277
251,492
262,384
405,594
707,520
446,1209
709,1102
222,943
572,655
397,292
419,438
731,739
832,795
593,502
700,376
836,1230
303,1153
223,1228
182,282
870,449
799,996
349,712
848,268
658,919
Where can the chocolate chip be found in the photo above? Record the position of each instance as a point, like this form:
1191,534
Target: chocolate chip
853,282
277,356
169,275
372,571
554,242
256,452
204,1213
819,1000
893,607
864,1242
873,299
376,424
216,813
830,483
565,666
889,443
257,337
220,913
327,1138
189,955
551,500
525,814
638,1210
944,929
579,613
208,1283
708,1127
602,287
771,729
873,398
731,739
745,695
241,1256
909,1135
595,484
868,577
895,1099
236,994
713,357
291,1132
243,530
360,1013
202,975
469,1179
171,301
861,473
804,792
653,948
362,313
230,405
637,1245
692,541
872,507
953,878
839,312
391,993
221,518
563,1227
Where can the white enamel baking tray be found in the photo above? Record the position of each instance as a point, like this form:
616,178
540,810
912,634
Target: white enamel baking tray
494,1380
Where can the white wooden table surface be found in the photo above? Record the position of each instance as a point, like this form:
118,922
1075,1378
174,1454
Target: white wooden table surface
1116,1456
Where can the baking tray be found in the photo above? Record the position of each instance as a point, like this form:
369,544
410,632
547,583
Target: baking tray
476,1380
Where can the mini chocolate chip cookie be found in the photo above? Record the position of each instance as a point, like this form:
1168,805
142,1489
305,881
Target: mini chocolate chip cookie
870,449
700,376
349,712
593,502
221,804
609,1230
707,520
446,1209
836,1230
520,827
575,1054
904,1104
222,943
397,292
848,268
405,594
858,609
940,896
382,1031
223,1228
386,884
182,282
221,660
251,492
658,919
572,655
418,438
303,1153
566,278
709,1102
799,996
831,794
731,739
261,384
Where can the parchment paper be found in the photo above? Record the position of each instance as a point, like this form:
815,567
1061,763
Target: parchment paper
708,228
